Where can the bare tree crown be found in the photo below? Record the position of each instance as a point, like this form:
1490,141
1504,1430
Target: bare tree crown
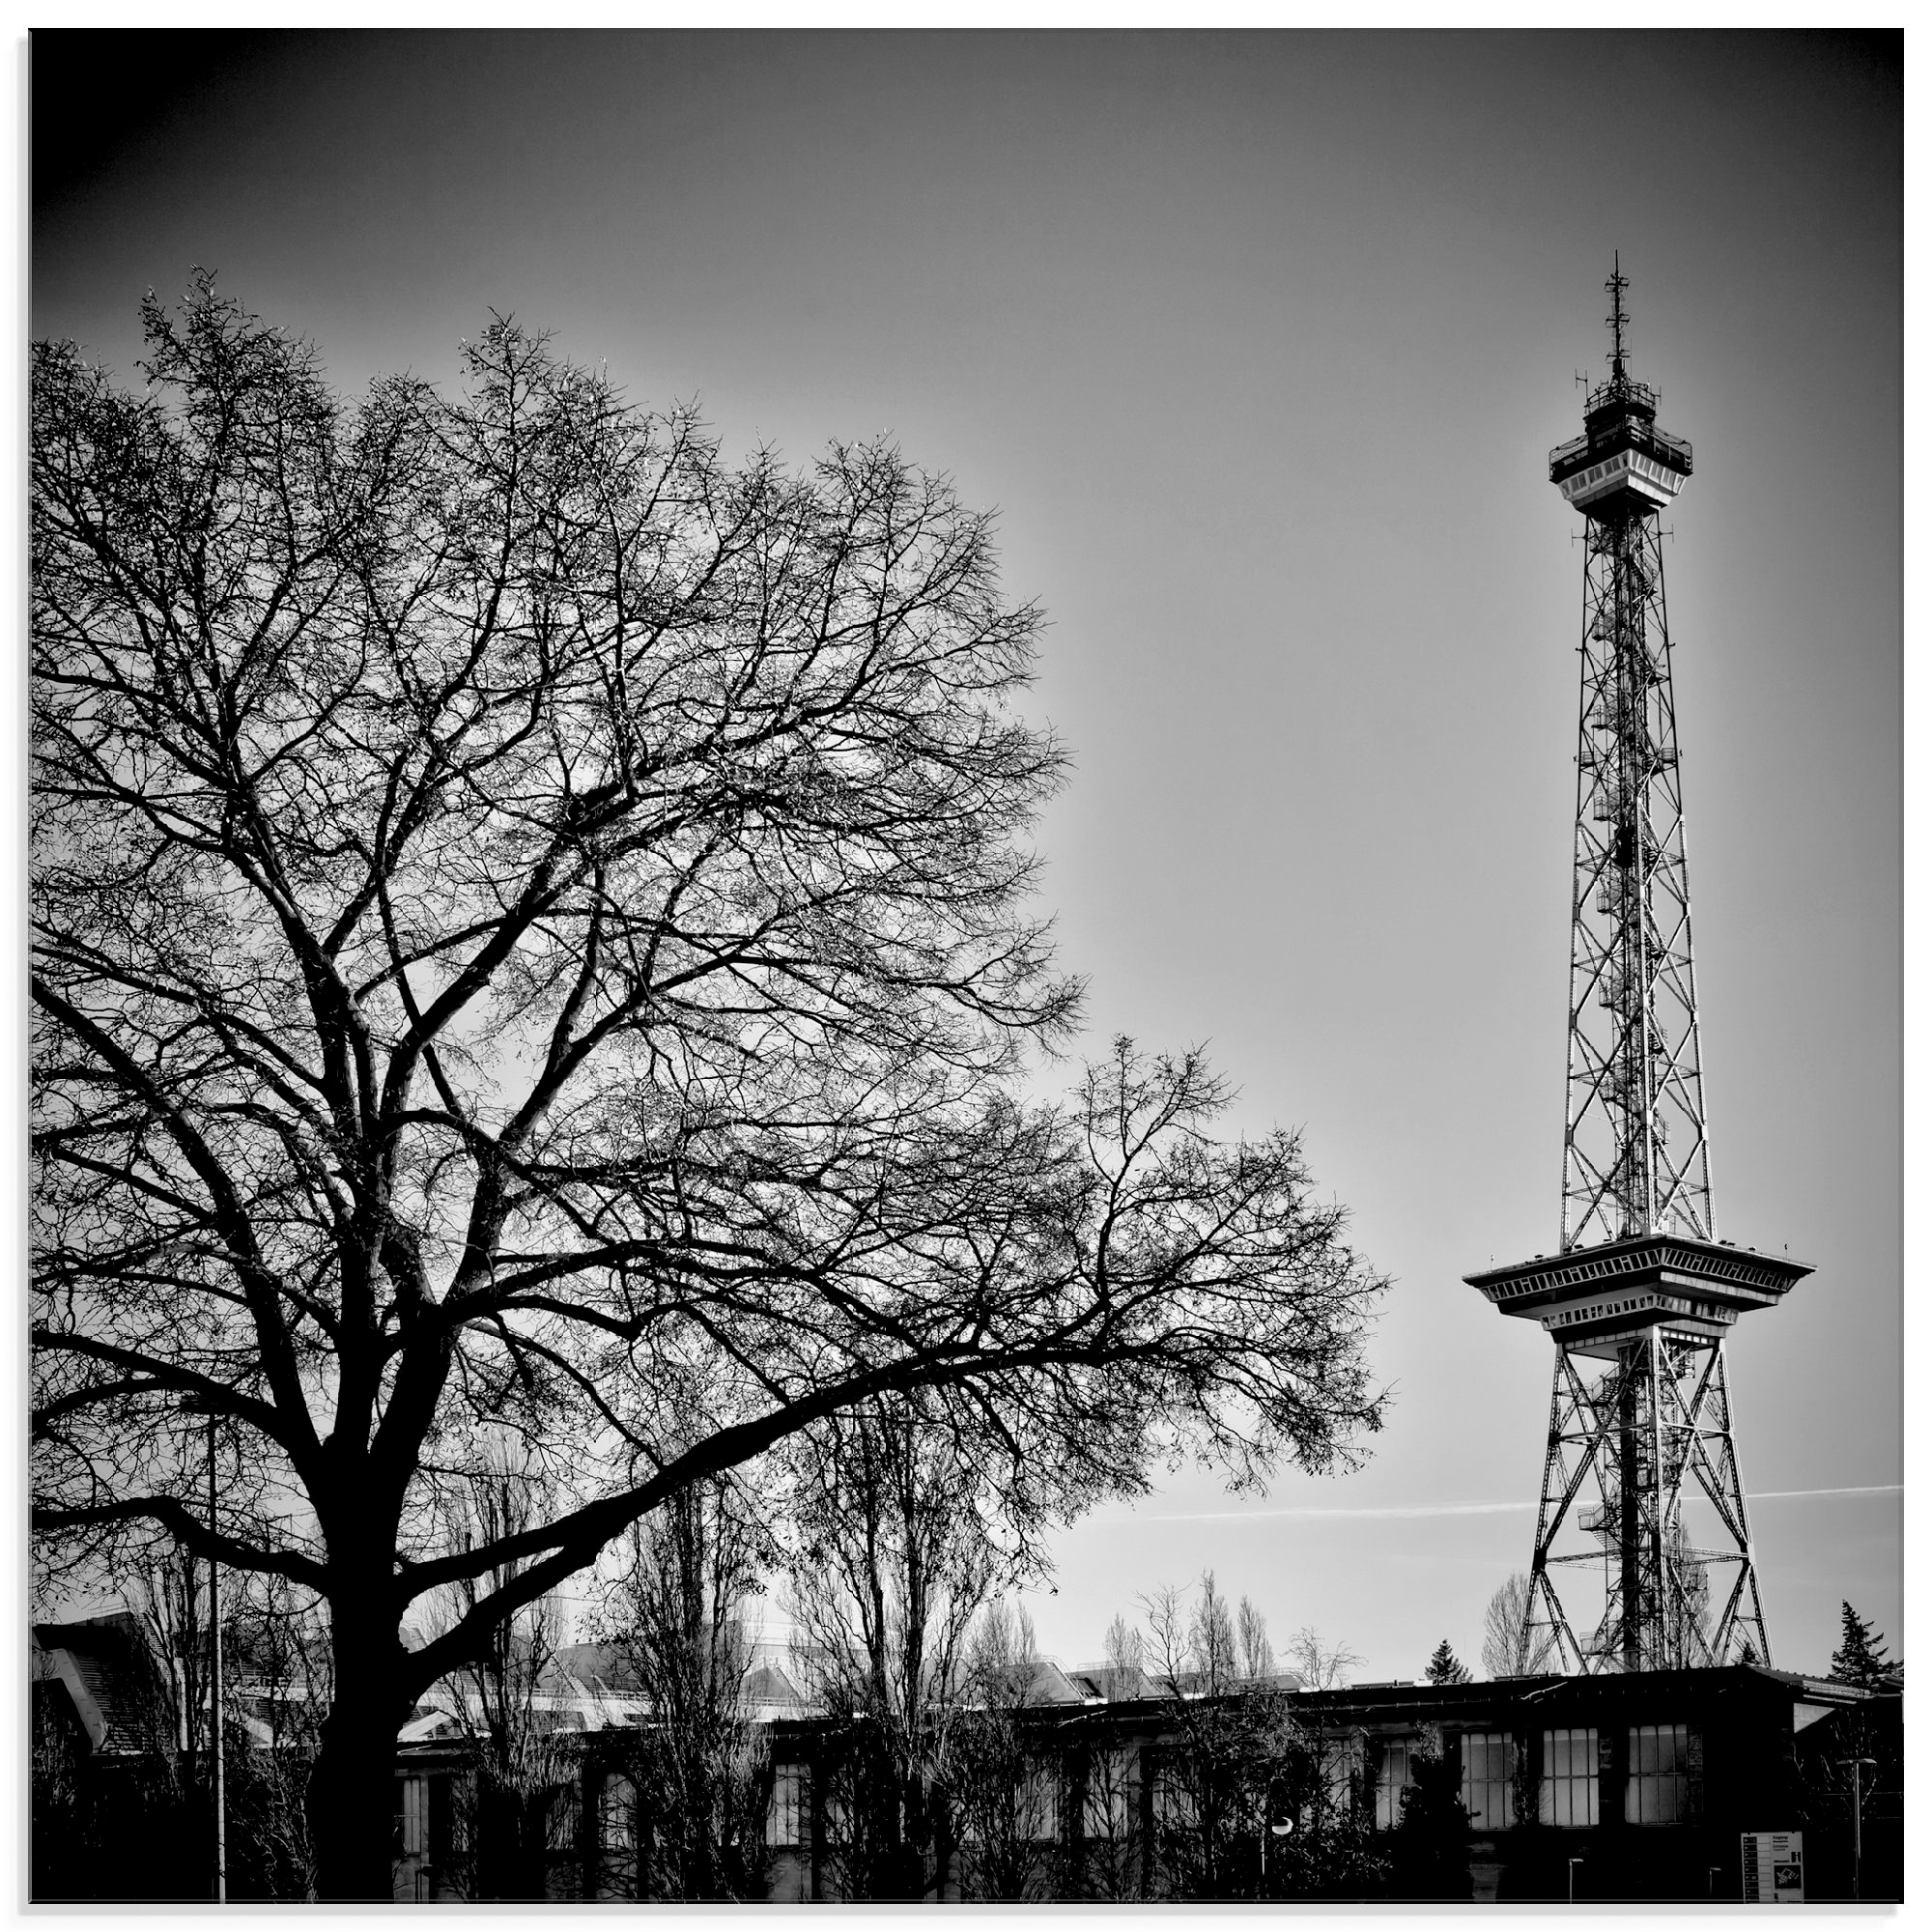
531,929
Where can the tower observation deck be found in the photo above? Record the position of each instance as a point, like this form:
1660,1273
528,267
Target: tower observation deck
1641,1293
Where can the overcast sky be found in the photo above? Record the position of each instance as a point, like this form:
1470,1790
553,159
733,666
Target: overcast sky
1258,344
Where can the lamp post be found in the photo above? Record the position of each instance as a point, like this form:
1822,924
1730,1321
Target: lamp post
214,1691
1278,1820
193,1405
1857,1765
1574,1863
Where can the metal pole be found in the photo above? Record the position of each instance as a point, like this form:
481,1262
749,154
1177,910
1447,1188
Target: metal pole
1857,1767
1858,1829
215,1693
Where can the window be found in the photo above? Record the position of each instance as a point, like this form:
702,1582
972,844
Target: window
1173,1800
838,1819
786,1822
1109,1794
414,1798
1489,1759
566,1811
1568,1796
1658,1789
1341,1768
1040,1802
1393,1776
616,1813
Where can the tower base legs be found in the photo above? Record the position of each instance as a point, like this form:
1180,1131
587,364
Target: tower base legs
1630,1439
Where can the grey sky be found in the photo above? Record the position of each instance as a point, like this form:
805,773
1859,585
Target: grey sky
1258,343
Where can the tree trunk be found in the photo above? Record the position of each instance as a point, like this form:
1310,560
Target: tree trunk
352,1790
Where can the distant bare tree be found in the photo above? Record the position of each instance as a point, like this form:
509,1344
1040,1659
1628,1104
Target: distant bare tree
1321,1666
896,1556
1257,1652
518,1815
1125,1652
1006,1794
680,1613
277,1648
1212,1770
1505,1638
170,1600
1213,1651
1687,1614
1112,1837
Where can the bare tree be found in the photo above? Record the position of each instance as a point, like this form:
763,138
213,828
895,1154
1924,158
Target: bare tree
530,930
1005,1787
1505,1637
896,1553
1257,1652
1320,1666
1212,1770
1237,1747
1686,1610
276,1644
1212,1649
518,1813
1125,1652
171,1604
1112,1839
680,1614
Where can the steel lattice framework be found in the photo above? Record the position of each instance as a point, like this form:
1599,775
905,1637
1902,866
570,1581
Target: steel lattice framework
1635,1156
1641,1293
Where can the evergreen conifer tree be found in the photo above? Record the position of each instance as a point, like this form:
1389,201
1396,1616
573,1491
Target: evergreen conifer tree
1861,1658
1446,1667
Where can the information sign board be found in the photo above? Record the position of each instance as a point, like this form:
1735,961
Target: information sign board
1774,1863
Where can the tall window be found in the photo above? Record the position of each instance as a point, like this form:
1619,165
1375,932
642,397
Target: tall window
616,1811
1393,1776
1039,1802
414,1804
1173,1801
786,1821
566,1811
1341,1767
1658,1790
1568,1796
617,1838
1488,1760
1109,1810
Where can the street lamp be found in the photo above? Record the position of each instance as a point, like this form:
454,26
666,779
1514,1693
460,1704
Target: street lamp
194,1405
1856,1766
1574,1863
1279,1819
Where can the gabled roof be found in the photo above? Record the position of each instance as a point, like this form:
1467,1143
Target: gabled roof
108,1671
605,1670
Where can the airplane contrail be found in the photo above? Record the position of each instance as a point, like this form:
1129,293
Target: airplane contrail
1412,1510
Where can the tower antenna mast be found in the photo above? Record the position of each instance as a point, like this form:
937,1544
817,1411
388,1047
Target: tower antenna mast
1642,1292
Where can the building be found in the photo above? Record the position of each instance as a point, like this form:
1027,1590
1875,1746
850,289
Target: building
1635,1786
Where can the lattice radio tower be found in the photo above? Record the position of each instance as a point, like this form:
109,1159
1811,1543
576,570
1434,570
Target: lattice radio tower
1642,1292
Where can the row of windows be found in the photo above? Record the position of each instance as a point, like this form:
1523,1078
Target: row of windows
1658,1790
